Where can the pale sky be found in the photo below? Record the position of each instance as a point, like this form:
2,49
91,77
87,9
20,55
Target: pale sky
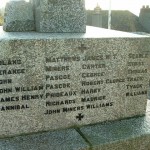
131,5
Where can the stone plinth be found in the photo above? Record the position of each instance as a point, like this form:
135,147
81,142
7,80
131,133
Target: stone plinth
53,81
60,16
58,140
131,134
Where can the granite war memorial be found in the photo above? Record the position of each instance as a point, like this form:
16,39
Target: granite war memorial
67,78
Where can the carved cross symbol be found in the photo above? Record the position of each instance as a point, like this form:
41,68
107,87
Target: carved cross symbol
82,48
53,2
80,117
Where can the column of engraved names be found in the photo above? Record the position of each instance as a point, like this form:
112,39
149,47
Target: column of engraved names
59,91
137,72
9,97
94,81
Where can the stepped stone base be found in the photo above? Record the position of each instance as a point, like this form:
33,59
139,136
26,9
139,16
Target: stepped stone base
129,134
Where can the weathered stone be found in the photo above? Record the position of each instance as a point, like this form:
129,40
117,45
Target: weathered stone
18,16
58,140
50,16
53,81
60,16
130,134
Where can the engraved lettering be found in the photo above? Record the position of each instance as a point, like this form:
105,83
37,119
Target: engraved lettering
86,83
9,99
57,68
30,97
10,62
6,90
88,75
50,112
90,99
57,77
134,86
136,93
56,103
62,59
90,91
31,88
12,71
58,86
114,80
89,58
61,94
135,63
135,56
14,107
135,78
6,81
93,106
136,71
93,66
73,109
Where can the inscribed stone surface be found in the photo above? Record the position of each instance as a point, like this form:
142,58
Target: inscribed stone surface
53,81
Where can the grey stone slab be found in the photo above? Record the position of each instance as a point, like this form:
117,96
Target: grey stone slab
18,17
91,32
60,16
131,134
139,143
58,140
54,81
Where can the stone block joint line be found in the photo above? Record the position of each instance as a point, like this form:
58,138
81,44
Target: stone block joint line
84,137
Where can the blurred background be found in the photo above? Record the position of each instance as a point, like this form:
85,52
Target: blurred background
123,15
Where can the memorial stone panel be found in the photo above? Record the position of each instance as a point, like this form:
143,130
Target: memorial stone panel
63,81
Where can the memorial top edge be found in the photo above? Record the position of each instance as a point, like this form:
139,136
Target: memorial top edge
92,32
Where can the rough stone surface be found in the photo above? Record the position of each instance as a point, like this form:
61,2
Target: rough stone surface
131,134
58,140
60,16
18,17
47,80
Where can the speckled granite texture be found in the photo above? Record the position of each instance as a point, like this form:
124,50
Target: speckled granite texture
58,140
18,17
60,16
55,81
130,134
45,16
